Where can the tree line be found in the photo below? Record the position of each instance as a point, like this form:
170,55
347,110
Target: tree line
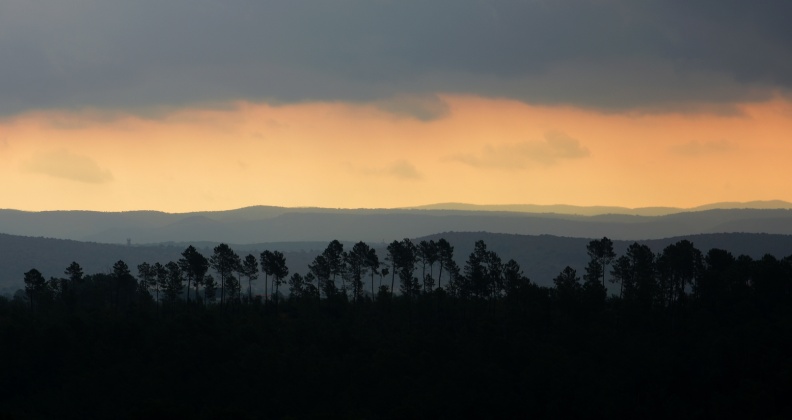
674,277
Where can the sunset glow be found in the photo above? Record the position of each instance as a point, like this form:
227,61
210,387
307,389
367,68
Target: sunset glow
482,151
184,105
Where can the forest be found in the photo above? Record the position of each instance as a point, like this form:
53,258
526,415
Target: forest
408,333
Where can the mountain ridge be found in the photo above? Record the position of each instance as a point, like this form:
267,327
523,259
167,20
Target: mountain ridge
568,209
603,210
275,224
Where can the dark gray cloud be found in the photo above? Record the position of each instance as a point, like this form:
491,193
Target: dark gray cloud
610,54
420,107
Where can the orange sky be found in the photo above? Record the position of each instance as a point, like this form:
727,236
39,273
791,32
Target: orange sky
482,151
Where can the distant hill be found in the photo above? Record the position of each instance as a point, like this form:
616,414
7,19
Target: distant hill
276,224
600,210
541,257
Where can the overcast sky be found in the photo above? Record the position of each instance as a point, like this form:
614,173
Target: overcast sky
611,54
69,65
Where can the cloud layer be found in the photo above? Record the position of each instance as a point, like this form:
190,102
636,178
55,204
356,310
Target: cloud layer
613,54
697,148
65,165
401,169
555,147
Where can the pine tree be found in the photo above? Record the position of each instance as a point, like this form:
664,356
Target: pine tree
224,261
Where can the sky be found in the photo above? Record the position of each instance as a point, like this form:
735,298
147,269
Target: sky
208,105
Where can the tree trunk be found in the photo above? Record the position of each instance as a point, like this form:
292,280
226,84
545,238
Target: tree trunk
423,274
603,277
393,280
222,289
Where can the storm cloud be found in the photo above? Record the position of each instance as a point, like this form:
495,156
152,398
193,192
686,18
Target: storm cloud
613,54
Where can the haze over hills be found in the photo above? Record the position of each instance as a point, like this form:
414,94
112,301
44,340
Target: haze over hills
600,210
543,242
278,224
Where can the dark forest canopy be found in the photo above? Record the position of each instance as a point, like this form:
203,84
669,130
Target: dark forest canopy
687,333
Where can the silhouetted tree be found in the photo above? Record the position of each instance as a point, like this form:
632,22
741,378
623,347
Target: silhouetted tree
160,278
55,286
514,280
309,289
147,276
720,282
75,278
445,256
568,287
406,260
125,284
429,282
250,269
483,273
495,284
279,270
372,263
427,254
593,291
601,255
772,282
458,284
394,250
75,273
210,288
194,266
266,268
334,255
233,288
679,266
637,275
224,261
174,283
320,268
356,261
35,286
296,286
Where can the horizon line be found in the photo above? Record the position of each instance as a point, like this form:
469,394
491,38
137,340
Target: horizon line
455,206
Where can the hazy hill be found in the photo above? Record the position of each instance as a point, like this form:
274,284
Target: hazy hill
541,257
599,210
276,224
